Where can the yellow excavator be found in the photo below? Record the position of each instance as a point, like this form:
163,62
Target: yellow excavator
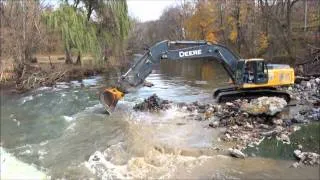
251,78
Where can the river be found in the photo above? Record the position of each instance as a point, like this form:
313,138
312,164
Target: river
58,128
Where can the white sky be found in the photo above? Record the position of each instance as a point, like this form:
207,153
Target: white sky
147,10
144,10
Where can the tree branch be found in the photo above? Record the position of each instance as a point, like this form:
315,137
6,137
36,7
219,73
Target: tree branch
293,2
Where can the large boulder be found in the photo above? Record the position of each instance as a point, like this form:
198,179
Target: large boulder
264,105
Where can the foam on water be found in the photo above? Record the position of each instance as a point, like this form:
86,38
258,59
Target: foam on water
39,95
68,118
42,153
26,99
145,153
201,82
153,164
26,152
44,143
16,121
71,127
172,115
42,88
12,168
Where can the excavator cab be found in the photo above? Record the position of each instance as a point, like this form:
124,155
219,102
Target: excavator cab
251,71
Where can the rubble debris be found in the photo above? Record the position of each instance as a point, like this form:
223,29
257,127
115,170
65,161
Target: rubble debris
314,114
306,158
243,125
248,123
306,92
153,103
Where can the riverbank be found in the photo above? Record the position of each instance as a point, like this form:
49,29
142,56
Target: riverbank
39,75
48,71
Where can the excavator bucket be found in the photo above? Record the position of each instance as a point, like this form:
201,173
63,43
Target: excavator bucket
109,98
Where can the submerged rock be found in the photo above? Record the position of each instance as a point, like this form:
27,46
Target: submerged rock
297,153
236,153
148,84
264,105
295,165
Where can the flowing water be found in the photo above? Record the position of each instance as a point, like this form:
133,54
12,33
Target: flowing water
58,129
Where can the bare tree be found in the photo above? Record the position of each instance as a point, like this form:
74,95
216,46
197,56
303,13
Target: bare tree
279,16
21,32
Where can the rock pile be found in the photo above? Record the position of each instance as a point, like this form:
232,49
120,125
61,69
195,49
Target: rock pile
246,123
153,103
306,91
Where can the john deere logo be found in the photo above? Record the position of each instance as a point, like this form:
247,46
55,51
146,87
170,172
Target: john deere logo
189,53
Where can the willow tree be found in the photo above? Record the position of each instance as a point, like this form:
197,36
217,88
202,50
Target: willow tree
113,25
76,32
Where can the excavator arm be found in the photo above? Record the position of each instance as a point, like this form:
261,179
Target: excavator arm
167,50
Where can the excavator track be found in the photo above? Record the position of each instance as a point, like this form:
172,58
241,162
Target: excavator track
217,91
231,95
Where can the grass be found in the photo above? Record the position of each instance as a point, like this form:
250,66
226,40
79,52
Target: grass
308,136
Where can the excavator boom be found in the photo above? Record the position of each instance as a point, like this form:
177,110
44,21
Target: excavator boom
180,50
136,75
167,50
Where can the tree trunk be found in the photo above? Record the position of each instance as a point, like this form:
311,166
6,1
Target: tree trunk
288,44
51,65
27,55
78,62
19,70
238,27
68,57
221,12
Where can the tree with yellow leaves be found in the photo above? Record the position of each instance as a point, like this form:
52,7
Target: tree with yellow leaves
202,24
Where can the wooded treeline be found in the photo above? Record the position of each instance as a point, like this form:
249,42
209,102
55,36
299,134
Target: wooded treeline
271,29
95,28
